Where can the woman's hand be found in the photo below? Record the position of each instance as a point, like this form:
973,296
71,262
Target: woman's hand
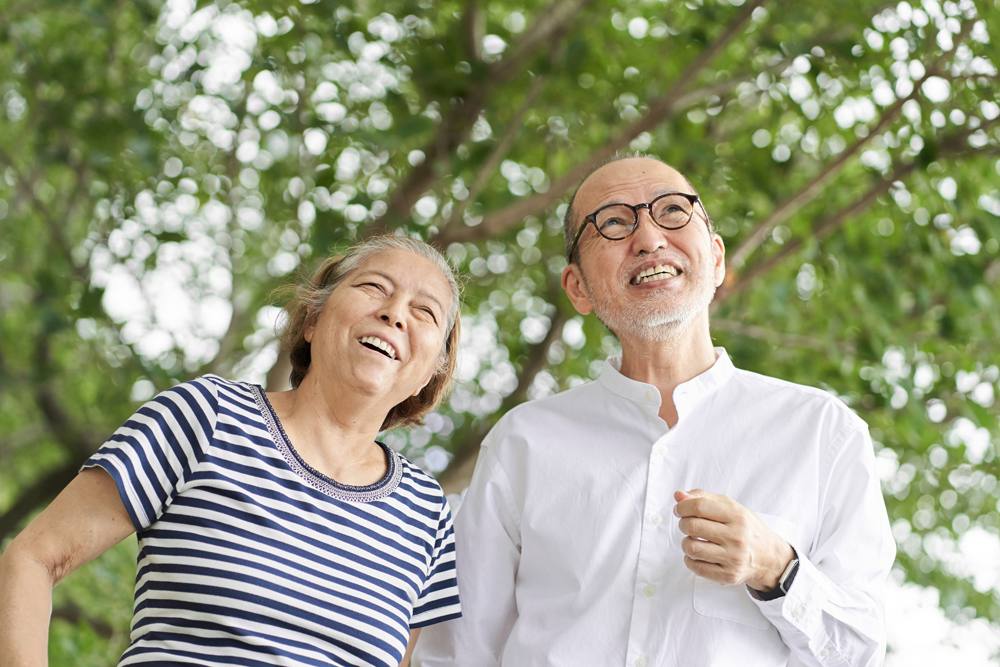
86,519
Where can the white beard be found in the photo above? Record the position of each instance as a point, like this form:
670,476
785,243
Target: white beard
653,320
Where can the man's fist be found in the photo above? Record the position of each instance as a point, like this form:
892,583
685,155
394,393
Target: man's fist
727,543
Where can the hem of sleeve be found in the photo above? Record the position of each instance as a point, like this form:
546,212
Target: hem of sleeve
801,608
119,484
433,621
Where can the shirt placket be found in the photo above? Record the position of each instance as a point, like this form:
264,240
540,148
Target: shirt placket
654,545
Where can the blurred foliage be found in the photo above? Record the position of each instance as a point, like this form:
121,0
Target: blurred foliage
164,167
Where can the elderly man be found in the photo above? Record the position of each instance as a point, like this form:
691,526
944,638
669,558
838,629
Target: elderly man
676,510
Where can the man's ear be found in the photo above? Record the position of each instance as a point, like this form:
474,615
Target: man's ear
573,285
719,259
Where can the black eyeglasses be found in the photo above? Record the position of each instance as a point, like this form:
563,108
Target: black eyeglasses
615,222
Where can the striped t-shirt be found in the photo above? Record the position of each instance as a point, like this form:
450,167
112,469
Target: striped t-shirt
248,556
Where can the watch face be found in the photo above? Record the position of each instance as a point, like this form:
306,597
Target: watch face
788,576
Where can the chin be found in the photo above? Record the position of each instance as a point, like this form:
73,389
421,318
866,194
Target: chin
373,384
654,326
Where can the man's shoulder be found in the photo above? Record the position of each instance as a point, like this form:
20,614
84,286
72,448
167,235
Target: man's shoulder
793,395
560,404
549,415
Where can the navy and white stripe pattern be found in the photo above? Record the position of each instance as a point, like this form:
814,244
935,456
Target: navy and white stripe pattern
247,556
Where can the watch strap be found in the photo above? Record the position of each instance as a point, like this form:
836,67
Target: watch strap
784,582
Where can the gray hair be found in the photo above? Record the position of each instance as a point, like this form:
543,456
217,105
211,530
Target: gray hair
358,253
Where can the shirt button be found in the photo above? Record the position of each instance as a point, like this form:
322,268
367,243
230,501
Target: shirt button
653,395
649,590
654,519
640,661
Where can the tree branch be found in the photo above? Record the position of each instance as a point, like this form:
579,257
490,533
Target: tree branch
26,189
953,146
824,228
58,421
660,109
549,31
72,614
39,492
473,23
718,88
23,436
499,152
814,187
782,338
459,470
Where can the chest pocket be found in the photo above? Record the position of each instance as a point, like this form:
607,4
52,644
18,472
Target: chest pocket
733,603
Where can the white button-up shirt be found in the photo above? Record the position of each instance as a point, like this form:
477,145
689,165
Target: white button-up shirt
569,553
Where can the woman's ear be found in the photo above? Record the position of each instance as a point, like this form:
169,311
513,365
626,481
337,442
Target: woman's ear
424,385
309,330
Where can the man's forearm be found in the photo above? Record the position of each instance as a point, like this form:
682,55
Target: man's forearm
826,624
25,609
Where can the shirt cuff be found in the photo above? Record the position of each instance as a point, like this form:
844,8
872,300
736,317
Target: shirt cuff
806,598
800,612
802,607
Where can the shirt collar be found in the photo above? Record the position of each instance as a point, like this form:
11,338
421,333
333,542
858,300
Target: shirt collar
686,393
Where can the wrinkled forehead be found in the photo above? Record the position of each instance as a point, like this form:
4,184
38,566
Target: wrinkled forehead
406,268
631,181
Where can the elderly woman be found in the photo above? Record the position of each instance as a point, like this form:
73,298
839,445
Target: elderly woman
273,528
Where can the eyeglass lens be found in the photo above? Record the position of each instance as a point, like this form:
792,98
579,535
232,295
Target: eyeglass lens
618,221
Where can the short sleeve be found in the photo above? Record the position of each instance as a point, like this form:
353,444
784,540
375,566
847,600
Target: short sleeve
439,600
153,453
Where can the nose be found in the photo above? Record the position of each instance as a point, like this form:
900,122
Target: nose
391,316
648,236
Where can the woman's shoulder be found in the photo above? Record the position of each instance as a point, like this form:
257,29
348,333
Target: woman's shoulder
226,391
419,481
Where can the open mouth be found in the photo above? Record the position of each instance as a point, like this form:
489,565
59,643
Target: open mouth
379,345
655,273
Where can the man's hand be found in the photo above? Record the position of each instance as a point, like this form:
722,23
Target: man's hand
728,543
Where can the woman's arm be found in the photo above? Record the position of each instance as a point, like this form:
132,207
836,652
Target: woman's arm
86,519
414,635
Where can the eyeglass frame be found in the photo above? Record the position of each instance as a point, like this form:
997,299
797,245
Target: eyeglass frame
592,218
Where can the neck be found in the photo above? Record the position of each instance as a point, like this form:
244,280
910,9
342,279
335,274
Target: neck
332,429
666,362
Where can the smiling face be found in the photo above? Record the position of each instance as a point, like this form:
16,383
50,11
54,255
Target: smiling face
649,285
382,329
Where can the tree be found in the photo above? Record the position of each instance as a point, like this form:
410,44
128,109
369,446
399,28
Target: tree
163,168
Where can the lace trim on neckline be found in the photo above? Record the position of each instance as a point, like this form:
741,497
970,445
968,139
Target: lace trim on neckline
317,480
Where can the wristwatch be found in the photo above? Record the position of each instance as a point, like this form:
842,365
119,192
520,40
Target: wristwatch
784,581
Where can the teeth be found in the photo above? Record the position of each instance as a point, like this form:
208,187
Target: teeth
654,273
389,350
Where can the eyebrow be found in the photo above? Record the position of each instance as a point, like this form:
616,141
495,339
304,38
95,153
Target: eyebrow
422,292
